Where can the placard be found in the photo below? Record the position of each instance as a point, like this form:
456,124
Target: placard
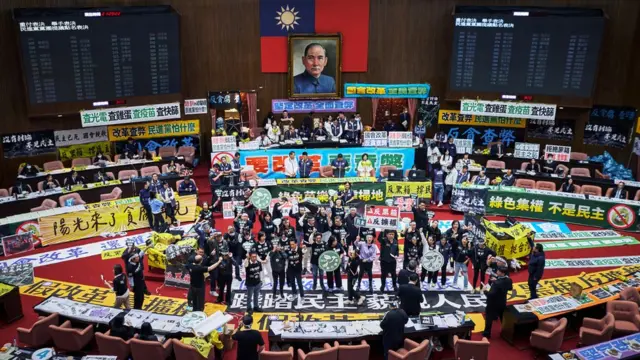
402,91
375,138
609,126
228,210
454,117
225,100
428,111
400,139
508,109
421,189
17,243
154,130
382,217
558,129
463,146
526,150
469,199
483,135
319,106
177,275
195,106
223,143
81,136
17,274
28,144
84,150
133,114
559,152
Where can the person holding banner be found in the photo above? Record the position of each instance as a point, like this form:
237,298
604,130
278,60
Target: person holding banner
412,249
367,251
135,273
428,244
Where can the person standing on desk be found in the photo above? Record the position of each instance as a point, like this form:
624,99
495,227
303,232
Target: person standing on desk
392,326
339,166
312,81
291,166
305,165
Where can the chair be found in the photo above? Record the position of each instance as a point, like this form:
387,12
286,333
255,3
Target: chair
69,339
495,164
545,185
277,355
565,169
577,190
81,162
352,352
591,190
329,353
188,352
594,331
384,170
326,171
189,152
609,193
165,168
636,198
46,205
549,334
149,170
167,151
113,346
627,319
523,166
153,350
40,185
53,165
411,351
467,349
77,199
600,175
116,157
526,183
249,174
127,174
578,156
181,181
115,194
4,192
111,175
38,334
630,294
580,172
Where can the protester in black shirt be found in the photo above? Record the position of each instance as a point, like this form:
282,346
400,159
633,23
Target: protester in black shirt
266,224
479,258
392,326
340,232
420,215
496,299
250,342
461,257
242,221
403,275
294,268
412,245
536,269
225,276
352,277
445,249
299,221
206,215
29,170
334,277
429,244
434,231
120,287
338,209
233,239
119,329
533,166
196,283
50,183
388,256
410,296
287,230
277,260
262,247
253,268
352,229
135,272
317,248
322,220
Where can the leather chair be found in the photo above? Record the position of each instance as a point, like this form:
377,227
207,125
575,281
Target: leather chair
630,294
81,162
167,151
411,351
565,169
578,156
578,189
113,346
591,190
584,172
46,205
279,355
523,166
181,181
384,170
189,152
188,352
152,350
249,174
545,185
38,334
326,171
165,168
149,170
40,185
53,165
127,174
600,175
111,175
549,335
5,192
352,352
495,164
467,349
627,319
67,338
610,191
77,199
329,353
636,197
115,194
594,331
525,183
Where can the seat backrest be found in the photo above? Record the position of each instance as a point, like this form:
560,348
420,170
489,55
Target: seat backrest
52,165
578,156
622,309
495,164
117,192
40,185
468,349
186,352
630,294
526,183
4,192
48,203
523,166
591,190
167,151
111,345
149,170
419,352
39,332
186,150
280,355
67,338
127,174
326,170
326,354
153,350
77,199
80,162
384,170
580,172
564,168
560,327
352,352
546,185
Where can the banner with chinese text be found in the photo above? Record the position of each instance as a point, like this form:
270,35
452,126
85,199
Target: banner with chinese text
154,130
155,143
195,106
469,199
133,114
483,135
408,188
508,242
371,193
80,136
225,100
319,106
106,217
84,150
402,91
454,117
382,217
508,109
609,126
558,129
400,139
28,144
269,163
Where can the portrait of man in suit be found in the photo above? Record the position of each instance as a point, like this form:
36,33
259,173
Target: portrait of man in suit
314,66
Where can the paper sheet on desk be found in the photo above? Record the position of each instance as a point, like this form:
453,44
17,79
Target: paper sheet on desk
409,324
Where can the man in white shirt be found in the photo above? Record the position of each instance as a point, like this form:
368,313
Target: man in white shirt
291,165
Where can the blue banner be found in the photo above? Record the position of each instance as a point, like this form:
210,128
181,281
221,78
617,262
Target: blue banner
269,163
402,91
305,106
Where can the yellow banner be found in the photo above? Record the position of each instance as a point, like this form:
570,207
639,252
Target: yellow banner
311,181
84,150
154,129
156,259
4,288
402,188
453,117
638,126
515,247
106,217
203,346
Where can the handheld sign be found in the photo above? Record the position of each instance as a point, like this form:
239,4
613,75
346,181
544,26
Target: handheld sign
432,261
261,198
329,261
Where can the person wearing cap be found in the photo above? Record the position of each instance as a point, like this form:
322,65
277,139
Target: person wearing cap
496,298
250,342
187,187
253,269
225,276
305,166
196,282
392,326
536,269
339,166
135,273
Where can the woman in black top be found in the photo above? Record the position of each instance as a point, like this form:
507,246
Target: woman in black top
287,230
146,154
50,183
455,232
206,215
352,278
412,245
118,329
334,276
568,186
120,287
322,221
172,168
99,157
267,225
461,257
146,332
338,209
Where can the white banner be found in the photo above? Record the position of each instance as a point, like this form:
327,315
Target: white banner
223,143
463,146
81,136
559,152
133,114
375,138
195,106
400,139
508,109
526,150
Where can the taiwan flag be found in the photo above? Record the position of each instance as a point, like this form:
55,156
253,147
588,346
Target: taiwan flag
279,18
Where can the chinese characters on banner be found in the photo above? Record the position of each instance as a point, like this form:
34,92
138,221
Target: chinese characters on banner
481,130
469,199
225,100
319,106
382,217
400,139
155,143
80,136
154,130
133,114
455,117
371,193
28,144
195,106
463,146
375,138
558,129
508,109
609,126
510,243
526,151
559,152
223,143
84,150
411,188
428,111
402,91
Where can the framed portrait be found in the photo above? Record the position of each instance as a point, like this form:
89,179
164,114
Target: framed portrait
314,66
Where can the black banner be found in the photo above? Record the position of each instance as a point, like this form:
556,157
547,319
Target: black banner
28,144
558,129
231,193
17,275
483,135
428,111
155,143
476,228
610,126
225,100
469,200
177,276
317,302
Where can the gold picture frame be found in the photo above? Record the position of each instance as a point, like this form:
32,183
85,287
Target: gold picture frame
315,66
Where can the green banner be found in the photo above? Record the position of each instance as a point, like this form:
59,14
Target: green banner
587,244
370,193
580,209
